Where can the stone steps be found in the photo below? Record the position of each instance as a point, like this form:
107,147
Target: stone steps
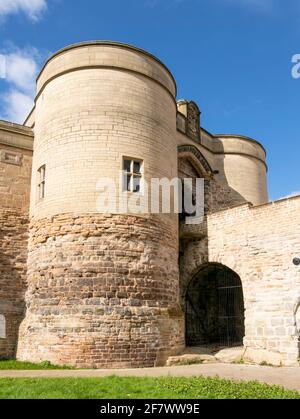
206,355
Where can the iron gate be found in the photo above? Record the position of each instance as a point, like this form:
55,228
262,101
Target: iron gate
215,309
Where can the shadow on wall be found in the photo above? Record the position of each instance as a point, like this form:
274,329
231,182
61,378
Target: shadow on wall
193,254
13,254
297,318
218,196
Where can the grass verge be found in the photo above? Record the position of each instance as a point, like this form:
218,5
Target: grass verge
17,365
138,388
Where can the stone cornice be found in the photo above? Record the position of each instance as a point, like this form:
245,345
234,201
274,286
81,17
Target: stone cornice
111,44
22,137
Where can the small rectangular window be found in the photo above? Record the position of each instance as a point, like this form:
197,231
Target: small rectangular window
133,175
41,182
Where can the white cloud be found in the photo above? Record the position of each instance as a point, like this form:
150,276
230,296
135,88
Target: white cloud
21,70
32,8
19,84
18,105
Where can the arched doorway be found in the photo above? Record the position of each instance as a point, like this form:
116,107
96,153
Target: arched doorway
214,307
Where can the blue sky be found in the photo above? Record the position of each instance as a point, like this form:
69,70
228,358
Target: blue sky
233,57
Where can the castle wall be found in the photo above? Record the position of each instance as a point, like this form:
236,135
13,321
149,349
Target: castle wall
239,162
15,174
244,167
103,290
13,255
259,243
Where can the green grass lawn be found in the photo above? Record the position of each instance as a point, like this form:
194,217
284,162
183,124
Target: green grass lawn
17,365
138,388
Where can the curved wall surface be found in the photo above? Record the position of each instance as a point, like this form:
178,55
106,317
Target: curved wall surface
243,167
103,288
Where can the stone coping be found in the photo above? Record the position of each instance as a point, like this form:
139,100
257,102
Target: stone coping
21,137
241,137
111,44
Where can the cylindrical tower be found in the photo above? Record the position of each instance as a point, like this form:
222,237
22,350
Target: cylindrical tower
102,288
243,167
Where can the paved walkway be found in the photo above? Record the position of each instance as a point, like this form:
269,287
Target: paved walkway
286,377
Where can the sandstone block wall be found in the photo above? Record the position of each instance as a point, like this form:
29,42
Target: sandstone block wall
89,117
103,289
243,167
239,162
259,244
13,255
103,292
15,166
15,176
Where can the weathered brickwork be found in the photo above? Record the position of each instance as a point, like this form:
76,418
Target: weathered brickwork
258,243
103,292
193,243
13,255
15,177
217,196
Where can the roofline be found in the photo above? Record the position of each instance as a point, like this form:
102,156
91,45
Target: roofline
112,44
242,137
22,137
28,116
17,128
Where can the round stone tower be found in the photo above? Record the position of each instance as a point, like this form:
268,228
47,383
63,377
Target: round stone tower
102,288
244,167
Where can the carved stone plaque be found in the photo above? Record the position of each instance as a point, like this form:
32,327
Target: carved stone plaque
193,120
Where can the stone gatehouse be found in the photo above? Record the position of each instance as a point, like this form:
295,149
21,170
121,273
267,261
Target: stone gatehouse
89,289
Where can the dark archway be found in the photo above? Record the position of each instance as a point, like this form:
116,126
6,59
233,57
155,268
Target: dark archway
214,308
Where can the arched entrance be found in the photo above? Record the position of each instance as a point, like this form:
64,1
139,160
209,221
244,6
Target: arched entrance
214,307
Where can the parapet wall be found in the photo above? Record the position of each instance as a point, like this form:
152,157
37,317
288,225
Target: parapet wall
106,54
